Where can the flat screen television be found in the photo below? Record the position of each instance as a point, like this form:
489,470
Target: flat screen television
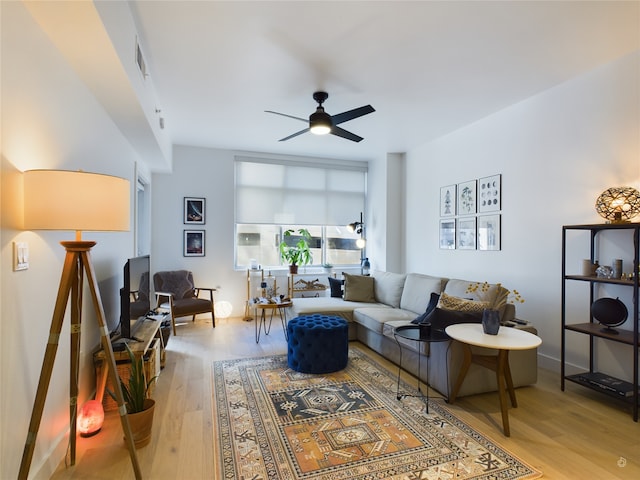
135,294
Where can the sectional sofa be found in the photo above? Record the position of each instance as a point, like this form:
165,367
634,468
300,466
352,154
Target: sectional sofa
398,299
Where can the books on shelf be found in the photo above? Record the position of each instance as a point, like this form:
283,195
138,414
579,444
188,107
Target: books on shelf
607,383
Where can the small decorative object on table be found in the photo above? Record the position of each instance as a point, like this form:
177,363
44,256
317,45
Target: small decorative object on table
604,271
490,321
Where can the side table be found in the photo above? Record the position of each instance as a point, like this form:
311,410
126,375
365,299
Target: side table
508,338
412,332
261,321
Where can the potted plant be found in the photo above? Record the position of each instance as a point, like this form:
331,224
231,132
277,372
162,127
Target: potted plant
298,253
140,407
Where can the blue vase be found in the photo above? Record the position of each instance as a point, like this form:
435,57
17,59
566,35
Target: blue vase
490,321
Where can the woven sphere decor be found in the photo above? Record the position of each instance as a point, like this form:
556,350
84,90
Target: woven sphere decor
618,204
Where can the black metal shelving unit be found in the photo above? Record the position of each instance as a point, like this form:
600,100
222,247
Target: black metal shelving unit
592,328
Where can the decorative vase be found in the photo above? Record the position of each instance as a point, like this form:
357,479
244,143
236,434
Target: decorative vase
490,321
293,269
141,423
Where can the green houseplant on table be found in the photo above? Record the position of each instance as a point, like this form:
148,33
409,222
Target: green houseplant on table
140,407
298,253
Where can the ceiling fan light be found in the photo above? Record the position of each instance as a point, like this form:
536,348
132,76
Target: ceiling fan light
320,122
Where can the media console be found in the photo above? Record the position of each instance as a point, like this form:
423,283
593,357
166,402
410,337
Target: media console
146,341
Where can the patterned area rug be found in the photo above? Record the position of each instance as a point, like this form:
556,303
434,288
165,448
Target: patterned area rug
274,423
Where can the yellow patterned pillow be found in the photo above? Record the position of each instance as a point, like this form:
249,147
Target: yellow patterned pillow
447,302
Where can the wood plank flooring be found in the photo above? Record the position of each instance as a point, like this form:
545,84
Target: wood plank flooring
576,434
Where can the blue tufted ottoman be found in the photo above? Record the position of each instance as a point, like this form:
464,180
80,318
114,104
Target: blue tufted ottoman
318,343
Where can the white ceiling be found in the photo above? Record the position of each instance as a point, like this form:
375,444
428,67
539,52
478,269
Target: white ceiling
427,67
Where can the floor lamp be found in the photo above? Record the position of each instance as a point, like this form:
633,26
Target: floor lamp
65,200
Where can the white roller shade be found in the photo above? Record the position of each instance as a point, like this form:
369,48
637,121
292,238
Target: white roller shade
272,191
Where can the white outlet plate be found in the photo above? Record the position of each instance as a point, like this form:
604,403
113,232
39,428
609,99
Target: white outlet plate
20,256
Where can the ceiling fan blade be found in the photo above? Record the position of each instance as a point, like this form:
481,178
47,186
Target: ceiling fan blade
351,114
285,115
341,132
294,135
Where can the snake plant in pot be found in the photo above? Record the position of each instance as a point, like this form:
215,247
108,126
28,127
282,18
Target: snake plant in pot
299,253
140,407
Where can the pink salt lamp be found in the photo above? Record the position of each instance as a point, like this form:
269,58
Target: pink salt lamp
90,418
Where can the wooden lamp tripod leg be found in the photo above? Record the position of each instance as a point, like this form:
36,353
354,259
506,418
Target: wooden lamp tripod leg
76,261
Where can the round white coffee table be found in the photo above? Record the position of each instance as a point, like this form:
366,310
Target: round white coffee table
508,338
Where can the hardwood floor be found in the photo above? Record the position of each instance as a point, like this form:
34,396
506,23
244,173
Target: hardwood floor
576,434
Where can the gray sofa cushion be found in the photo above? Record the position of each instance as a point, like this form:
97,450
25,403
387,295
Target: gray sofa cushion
417,291
375,318
388,288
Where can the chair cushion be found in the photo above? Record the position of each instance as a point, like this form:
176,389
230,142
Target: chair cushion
177,282
191,306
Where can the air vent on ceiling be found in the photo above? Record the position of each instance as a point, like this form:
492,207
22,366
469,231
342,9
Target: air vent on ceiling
142,66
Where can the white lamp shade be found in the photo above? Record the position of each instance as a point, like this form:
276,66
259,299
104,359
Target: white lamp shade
80,201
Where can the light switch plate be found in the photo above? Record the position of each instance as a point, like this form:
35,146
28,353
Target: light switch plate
20,256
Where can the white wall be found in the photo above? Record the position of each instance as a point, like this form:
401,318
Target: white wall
556,152
49,120
208,173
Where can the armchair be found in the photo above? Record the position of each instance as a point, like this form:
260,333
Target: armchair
176,292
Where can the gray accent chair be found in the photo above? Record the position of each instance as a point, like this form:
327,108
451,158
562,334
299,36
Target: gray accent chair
177,294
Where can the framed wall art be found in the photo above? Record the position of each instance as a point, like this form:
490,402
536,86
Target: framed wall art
448,201
448,234
467,198
194,210
489,232
489,193
193,243
466,233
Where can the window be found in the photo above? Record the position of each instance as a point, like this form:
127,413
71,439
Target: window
276,194
334,245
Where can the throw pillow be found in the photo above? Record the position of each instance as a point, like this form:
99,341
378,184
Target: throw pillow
358,288
441,318
336,287
447,302
433,302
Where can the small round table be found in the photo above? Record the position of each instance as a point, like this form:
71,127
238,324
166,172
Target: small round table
412,332
508,338
261,322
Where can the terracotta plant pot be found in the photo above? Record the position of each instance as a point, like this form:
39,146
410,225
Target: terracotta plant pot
141,423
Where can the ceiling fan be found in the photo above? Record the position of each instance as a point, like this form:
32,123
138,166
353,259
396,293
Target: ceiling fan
321,123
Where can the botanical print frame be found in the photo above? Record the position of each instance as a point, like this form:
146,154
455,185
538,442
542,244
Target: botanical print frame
448,201
193,243
489,232
448,234
194,211
467,198
466,233
490,193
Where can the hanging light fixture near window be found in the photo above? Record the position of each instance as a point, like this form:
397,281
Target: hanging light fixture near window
358,227
618,204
